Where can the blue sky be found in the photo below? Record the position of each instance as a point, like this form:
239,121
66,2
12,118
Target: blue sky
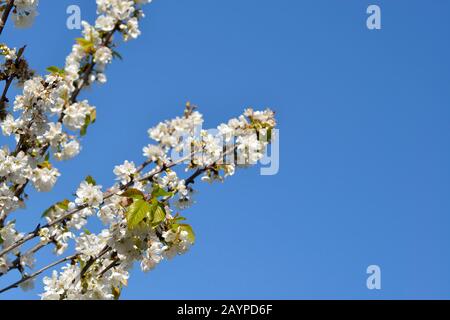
363,116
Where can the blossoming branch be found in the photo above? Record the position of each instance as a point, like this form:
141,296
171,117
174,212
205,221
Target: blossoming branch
143,212
47,121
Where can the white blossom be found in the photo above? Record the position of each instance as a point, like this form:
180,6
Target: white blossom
141,224
88,194
105,23
153,255
153,152
125,172
44,178
24,13
75,115
69,149
103,55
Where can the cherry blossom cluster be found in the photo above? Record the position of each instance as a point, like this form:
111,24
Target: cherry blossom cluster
8,236
142,211
13,68
47,121
9,54
139,210
14,65
24,12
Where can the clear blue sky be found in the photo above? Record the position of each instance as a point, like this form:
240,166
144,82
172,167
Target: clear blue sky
365,158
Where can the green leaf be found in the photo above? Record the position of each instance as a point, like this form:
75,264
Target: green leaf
87,122
93,115
1,240
55,70
116,292
82,41
159,215
90,118
47,212
87,231
269,135
64,205
45,164
133,193
90,180
82,264
190,231
87,45
137,211
160,192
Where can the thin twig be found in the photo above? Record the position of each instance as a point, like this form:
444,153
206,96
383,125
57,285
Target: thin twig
5,14
16,264
19,189
91,261
9,81
37,273
113,264
33,234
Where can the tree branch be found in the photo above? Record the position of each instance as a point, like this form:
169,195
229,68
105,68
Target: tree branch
3,98
5,15
37,273
91,261
20,189
16,263
31,235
